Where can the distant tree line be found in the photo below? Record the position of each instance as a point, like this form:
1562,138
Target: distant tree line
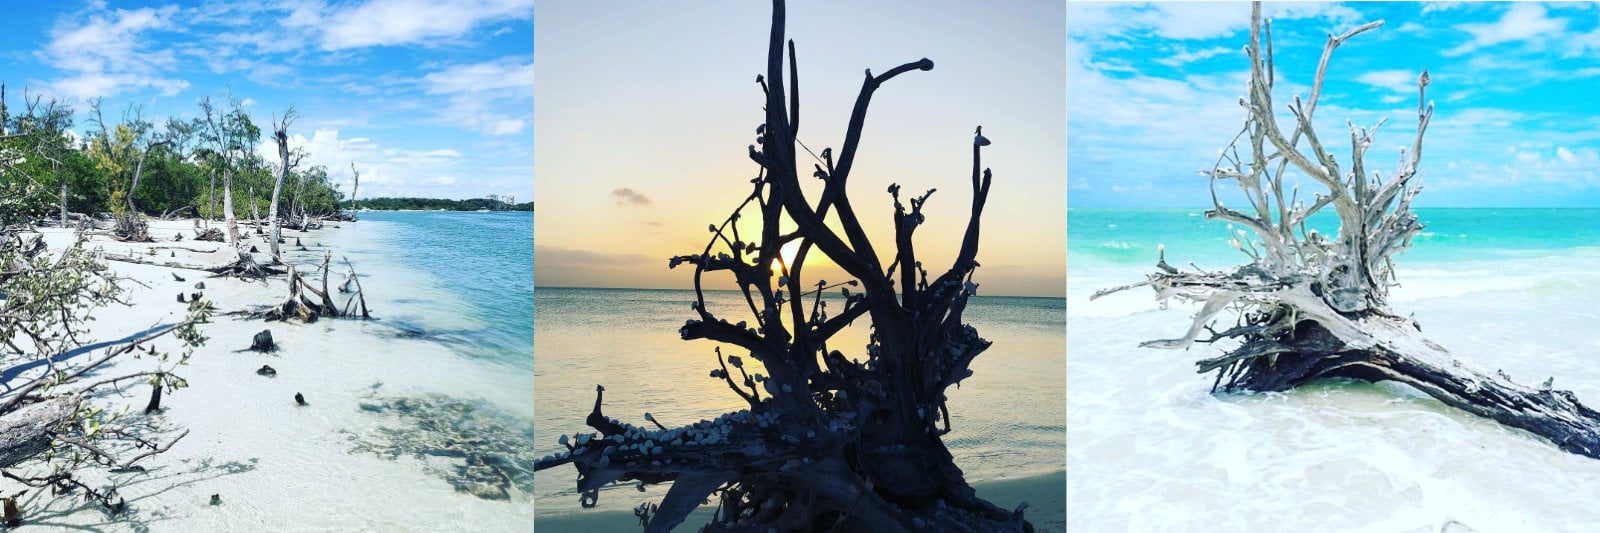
469,204
178,167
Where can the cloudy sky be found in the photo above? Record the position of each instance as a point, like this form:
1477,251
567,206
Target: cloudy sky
427,98
1152,92
645,114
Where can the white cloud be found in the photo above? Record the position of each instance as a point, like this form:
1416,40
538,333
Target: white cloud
108,53
397,22
481,94
1185,56
1398,80
481,77
1429,7
1194,20
1562,166
1521,22
384,171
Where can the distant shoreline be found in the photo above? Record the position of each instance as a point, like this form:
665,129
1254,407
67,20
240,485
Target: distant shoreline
384,203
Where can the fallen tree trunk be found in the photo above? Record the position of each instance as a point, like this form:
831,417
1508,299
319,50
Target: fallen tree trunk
138,260
1393,349
27,431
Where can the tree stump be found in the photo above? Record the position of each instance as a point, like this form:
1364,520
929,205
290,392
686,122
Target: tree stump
262,342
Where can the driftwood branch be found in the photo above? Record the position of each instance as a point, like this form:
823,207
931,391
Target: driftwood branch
1309,306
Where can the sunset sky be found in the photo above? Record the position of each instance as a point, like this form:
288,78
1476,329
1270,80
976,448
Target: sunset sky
1152,92
644,116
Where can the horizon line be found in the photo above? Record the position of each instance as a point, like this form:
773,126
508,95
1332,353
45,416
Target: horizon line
537,286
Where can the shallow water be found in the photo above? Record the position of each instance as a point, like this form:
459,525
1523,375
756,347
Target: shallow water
1006,419
1150,448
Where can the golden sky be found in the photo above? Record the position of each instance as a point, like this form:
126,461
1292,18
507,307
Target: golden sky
643,115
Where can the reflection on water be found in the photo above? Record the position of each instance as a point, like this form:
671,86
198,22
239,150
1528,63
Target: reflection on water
1006,419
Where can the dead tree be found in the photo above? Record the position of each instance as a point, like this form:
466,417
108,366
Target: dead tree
245,267
355,186
1309,306
308,302
230,132
138,170
829,442
132,227
255,213
280,134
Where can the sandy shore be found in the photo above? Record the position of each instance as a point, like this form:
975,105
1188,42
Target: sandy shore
1046,496
341,463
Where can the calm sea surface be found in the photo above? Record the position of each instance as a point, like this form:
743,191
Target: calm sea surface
1006,420
482,267
1149,448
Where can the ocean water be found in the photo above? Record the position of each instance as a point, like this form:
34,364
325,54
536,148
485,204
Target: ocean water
1006,419
1149,448
477,269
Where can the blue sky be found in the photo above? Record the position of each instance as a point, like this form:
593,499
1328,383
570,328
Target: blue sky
1152,92
427,98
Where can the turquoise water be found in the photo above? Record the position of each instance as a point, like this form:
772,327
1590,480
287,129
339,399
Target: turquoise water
1006,420
1100,237
483,261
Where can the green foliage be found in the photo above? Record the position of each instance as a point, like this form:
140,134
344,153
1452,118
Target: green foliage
99,170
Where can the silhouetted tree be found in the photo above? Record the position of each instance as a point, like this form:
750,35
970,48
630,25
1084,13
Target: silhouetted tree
829,441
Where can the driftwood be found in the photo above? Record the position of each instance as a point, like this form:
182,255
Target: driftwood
208,234
245,267
27,431
308,302
828,442
32,424
147,260
131,228
1311,306
170,214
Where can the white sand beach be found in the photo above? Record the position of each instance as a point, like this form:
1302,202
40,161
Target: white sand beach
347,461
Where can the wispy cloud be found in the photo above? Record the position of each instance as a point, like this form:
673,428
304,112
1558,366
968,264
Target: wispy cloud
1185,56
1524,22
106,53
480,94
396,22
625,196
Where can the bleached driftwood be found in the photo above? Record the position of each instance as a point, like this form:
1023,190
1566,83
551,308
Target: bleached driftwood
1310,307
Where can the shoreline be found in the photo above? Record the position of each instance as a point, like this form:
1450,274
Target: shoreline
1045,493
379,438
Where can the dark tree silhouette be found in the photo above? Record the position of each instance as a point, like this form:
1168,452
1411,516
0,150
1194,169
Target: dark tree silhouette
829,441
